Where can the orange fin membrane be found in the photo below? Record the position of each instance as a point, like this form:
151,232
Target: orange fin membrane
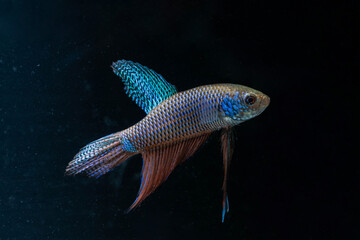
159,162
99,157
227,145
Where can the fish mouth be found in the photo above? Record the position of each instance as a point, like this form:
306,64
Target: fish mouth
264,103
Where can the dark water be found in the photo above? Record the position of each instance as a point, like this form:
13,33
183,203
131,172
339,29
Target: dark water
292,176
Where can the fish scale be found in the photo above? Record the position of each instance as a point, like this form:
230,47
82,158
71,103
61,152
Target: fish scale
175,126
186,122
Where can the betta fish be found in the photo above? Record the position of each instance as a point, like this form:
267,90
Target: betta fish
176,125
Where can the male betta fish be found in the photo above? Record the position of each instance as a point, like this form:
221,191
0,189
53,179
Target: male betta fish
176,125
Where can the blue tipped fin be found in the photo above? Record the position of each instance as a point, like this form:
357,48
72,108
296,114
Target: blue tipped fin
225,208
146,87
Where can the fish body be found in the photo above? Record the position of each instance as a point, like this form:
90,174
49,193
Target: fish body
176,125
184,115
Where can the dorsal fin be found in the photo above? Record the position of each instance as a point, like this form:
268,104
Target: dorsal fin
146,87
158,163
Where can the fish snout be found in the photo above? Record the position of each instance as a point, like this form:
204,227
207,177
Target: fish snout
265,101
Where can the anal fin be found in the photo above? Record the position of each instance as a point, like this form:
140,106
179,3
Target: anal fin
159,162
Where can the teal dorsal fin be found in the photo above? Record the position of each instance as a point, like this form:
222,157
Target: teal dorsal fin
146,87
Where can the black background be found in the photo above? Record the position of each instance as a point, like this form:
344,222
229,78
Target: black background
292,175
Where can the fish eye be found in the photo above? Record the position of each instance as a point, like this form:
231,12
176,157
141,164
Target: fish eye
250,99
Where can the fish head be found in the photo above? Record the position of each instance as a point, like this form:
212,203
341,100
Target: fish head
241,103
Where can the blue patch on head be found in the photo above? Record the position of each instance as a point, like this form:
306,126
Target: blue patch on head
230,106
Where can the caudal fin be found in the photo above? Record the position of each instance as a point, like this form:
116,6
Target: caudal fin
99,156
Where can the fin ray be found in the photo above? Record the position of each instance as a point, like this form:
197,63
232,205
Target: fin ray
227,145
142,84
158,164
99,156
